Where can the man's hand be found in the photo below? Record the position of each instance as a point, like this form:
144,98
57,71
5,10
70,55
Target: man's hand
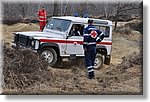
102,36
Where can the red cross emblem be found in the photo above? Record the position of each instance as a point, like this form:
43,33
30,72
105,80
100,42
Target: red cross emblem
75,43
93,34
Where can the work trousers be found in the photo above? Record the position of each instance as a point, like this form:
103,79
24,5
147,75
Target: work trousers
90,54
42,25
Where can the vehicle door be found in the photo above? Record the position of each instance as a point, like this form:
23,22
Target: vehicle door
75,40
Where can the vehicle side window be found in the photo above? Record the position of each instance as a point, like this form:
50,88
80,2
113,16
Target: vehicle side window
104,29
76,30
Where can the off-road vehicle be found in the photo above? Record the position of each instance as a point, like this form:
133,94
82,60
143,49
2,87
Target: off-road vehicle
58,41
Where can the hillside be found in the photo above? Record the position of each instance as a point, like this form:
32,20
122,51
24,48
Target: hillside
122,76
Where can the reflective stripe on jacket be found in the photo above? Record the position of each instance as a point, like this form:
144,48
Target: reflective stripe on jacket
42,15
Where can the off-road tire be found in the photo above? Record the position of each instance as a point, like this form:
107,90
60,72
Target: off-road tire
100,61
49,55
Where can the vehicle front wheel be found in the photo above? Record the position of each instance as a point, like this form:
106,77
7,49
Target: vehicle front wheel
98,61
49,55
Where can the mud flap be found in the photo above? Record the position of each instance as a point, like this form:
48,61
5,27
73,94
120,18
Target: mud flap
107,60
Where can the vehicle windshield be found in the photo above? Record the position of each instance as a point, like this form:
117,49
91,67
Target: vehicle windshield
58,24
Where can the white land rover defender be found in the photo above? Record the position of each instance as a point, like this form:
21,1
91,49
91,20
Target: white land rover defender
58,41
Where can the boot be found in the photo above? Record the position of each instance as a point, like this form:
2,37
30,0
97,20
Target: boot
91,75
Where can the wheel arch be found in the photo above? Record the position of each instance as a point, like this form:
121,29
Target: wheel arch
102,50
52,45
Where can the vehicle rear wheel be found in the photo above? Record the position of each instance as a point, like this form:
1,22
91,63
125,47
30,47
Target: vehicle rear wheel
98,61
49,55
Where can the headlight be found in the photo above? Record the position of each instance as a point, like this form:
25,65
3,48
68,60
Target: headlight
37,43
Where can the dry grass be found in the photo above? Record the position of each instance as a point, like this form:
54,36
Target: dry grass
19,27
36,78
125,44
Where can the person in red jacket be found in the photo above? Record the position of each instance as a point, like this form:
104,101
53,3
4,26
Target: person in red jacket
42,18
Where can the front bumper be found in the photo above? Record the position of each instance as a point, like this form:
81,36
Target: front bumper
17,46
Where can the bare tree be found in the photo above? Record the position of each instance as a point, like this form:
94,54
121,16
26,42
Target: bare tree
56,9
65,6
122,10
82,9
112,11
107,8
23,9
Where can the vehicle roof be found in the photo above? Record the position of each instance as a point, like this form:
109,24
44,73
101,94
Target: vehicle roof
83,20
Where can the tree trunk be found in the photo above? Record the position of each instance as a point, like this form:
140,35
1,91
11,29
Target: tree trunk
56,9
116,21
65,10
117,16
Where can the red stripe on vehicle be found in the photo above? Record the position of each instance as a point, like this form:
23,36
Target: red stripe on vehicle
71,42
47,40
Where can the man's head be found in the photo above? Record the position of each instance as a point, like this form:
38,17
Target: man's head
77,26
43,8
90,22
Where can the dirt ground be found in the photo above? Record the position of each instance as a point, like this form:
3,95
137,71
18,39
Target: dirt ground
122,76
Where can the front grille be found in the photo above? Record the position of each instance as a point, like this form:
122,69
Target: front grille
22,40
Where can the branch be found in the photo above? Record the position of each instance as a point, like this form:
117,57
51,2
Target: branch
128,9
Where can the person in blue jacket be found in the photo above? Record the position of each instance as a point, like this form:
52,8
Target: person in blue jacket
91,36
